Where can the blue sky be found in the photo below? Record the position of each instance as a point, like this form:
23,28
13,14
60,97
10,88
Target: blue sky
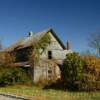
72,20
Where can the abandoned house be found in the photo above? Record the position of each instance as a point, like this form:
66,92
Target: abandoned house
50,59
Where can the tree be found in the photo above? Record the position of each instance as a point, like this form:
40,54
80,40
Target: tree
94,42
72,69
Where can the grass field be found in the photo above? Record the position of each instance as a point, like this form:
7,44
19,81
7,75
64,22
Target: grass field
40,94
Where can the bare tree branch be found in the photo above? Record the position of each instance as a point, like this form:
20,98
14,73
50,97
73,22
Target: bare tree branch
94,42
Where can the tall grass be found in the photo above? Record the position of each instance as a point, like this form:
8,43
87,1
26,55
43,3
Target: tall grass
37,93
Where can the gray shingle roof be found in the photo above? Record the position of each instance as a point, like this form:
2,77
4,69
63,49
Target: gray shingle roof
25,42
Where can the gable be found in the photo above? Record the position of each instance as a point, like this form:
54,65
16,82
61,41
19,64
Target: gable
56,38
54,42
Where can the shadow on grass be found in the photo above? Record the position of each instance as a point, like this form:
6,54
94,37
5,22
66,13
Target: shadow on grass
59,85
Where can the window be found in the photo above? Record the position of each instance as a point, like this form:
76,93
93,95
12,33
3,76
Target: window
49,54
22,55
49,74
49,71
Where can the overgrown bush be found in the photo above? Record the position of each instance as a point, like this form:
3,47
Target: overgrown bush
81,73
9,76
9,73
72,70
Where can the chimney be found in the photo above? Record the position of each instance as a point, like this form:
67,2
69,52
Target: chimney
68,45
30,34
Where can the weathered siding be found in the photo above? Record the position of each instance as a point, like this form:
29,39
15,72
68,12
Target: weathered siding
46,71
57,51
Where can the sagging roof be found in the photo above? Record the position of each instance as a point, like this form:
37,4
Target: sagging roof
26,42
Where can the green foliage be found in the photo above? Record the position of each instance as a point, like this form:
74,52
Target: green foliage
72,69
9,76
81,72
44,41
38,47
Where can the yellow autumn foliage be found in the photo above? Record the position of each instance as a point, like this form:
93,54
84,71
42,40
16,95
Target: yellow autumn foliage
92,65
6,60
90,80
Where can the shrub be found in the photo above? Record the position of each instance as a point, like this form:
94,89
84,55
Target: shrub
72,70
9,76
81,73
9,73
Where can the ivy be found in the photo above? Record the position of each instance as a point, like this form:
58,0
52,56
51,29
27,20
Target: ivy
38,48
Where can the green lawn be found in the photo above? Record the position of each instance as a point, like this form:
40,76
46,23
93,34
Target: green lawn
49,94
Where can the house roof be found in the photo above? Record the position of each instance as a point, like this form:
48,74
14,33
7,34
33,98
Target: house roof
26,42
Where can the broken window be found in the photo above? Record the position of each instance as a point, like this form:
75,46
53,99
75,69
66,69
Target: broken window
49,71
49,54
